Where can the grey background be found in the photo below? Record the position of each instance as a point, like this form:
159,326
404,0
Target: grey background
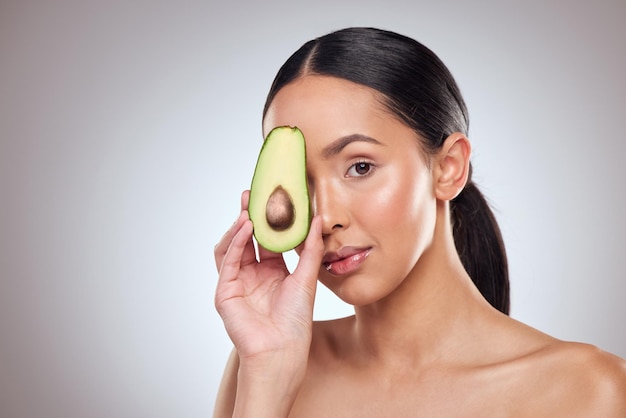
129,128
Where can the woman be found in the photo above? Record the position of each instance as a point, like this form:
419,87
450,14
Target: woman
402,233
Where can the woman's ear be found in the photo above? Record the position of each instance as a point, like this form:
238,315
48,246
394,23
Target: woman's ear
452,165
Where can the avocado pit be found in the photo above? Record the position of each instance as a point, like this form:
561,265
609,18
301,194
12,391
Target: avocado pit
280,211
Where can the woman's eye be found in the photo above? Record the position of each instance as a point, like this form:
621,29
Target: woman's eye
359,169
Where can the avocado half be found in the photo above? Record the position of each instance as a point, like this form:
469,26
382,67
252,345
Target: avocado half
279,206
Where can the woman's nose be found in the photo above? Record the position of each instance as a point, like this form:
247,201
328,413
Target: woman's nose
331,206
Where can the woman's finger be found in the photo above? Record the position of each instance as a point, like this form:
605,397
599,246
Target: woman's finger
245,199
232,260
222,246
311,255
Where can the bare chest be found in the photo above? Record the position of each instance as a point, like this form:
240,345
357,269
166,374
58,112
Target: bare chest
370,395
434,394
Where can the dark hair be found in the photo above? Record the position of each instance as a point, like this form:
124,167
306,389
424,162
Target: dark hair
419,89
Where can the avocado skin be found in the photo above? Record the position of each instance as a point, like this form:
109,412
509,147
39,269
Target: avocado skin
281,164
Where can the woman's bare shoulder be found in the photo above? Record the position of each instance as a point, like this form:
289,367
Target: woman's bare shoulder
599,372
546,376
579,379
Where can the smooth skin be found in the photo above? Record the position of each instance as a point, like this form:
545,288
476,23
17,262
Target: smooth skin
423,341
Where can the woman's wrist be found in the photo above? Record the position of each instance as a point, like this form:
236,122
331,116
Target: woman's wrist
268,384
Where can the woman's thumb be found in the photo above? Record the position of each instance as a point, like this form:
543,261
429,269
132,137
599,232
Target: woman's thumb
310,260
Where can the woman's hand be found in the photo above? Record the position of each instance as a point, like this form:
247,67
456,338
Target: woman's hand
266,310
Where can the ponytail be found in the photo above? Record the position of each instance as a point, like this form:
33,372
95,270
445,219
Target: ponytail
480,246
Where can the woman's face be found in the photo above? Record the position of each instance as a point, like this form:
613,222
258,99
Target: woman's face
369,181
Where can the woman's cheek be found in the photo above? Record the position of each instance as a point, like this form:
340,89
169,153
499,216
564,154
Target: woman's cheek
392,201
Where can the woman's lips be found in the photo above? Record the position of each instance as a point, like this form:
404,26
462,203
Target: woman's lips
346,260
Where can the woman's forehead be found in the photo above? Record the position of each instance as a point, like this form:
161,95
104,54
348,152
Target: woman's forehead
323,100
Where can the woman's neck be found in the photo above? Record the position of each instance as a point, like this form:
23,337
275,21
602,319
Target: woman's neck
429,315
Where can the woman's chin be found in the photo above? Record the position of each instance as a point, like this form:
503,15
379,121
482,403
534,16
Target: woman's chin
353,291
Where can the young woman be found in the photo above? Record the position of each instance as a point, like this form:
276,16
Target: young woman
402,234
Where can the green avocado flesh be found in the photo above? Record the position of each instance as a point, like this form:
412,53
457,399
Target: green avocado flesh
279,205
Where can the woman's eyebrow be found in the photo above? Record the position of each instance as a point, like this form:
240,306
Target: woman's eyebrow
336,146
